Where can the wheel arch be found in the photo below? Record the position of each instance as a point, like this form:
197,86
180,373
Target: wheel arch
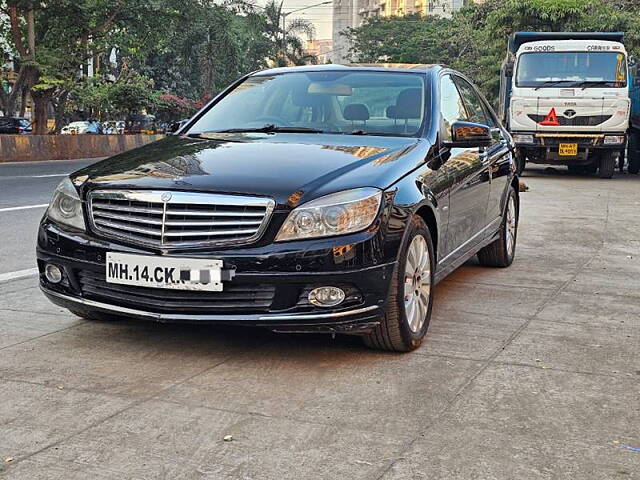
429,217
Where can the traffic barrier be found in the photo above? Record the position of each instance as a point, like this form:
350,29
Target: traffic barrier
28,148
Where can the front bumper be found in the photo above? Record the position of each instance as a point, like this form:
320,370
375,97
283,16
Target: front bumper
269,287
544,147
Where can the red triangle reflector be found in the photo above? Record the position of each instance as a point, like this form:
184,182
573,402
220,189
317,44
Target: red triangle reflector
551,120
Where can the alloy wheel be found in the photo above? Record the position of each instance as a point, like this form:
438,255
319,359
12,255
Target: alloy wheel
417,283
511,225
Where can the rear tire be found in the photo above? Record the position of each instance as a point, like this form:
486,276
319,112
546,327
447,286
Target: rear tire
502,251
608,162
410,299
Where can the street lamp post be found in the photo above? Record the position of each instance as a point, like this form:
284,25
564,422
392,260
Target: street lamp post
284,24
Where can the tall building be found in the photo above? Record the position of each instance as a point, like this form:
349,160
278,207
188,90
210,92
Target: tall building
352,13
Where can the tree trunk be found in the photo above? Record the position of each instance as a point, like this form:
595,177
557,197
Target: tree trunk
23,100
41,100
60,105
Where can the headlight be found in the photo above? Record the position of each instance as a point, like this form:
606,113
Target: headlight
65,207
613,139
336,214
522,138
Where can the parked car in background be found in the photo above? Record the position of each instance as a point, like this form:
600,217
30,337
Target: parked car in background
143,124
112,127
75,128
14,125
306,199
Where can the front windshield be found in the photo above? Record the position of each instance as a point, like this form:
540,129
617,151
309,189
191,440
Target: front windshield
355,102
572,69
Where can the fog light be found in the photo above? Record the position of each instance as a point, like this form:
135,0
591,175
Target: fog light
326,296
613,139
53,273
520,138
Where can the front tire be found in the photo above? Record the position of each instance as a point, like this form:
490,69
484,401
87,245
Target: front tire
410,300
502,251
607,164
521,162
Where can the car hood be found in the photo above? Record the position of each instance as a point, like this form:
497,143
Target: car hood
281,166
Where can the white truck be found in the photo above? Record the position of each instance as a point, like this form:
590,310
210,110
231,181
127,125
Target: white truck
565,99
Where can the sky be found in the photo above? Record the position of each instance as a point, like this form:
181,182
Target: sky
319,16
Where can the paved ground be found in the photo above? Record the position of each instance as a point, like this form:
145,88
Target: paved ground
532,372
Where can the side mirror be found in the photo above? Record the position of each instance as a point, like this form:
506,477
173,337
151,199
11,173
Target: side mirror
469,135
174,127
508,69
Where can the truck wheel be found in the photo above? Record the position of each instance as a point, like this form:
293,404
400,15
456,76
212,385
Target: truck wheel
501,252
521,162
408,306
608,163
634,153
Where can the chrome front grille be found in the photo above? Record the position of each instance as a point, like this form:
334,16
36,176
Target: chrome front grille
178,219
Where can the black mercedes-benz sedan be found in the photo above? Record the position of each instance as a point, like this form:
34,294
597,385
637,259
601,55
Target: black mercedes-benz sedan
307,199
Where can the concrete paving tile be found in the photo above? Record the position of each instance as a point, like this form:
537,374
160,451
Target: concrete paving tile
550,404
489,299
524,423
160,440
126,358
28,299
34,416
611,311
468,335
524,272
355,388
456,452
584,348
16,327
608,276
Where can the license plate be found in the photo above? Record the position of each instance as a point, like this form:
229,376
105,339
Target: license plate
568,149
164,272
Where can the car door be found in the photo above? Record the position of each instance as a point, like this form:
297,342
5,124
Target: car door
496,156
469,175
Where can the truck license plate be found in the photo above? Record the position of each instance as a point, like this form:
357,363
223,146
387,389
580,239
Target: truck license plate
568,149
164,272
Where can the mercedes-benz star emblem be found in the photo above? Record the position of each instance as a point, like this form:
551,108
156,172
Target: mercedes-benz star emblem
569,113
165,197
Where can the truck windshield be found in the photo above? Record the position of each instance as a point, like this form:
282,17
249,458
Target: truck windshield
351,103
572,69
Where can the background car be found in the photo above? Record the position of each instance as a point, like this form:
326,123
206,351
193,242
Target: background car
14,125
318,199
75,128
114,127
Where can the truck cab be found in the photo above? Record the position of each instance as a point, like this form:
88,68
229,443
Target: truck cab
565,99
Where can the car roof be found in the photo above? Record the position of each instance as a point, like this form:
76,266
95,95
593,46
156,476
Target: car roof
333,67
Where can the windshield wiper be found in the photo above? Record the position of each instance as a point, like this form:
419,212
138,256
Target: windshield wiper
549,83
359,132
268,128
593,83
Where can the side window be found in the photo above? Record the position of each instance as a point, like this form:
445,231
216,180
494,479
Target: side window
451,105
475,106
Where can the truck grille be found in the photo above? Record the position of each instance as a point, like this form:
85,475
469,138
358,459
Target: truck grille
239,297
578,121
178,219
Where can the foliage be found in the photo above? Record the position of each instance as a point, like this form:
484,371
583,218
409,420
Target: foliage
191,48
474,39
